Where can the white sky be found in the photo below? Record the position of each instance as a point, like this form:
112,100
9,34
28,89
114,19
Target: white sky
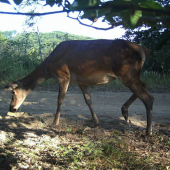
56,22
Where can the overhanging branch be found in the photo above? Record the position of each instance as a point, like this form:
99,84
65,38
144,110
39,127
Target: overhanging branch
113,7
34,14
154,19
165,13
98,28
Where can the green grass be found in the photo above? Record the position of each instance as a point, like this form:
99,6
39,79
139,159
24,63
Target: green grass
14,68
156,82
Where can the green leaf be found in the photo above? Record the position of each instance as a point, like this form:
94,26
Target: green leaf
17,1
93,2
78,4
103,11
82,4
134,18
109,17
151,4
137,2
90,14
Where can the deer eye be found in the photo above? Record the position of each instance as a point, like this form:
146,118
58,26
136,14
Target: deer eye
13,92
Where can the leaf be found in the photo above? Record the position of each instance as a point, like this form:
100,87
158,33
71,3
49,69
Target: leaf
82,4
134,19
17,1
151,4
93,2
5,1
91,15
137,2
109,17
50,2
103,11
78,4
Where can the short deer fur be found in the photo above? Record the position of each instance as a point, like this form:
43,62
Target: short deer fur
88,63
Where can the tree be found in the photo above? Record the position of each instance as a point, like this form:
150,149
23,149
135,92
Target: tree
9,34
3,41
31,22
157,41
129,13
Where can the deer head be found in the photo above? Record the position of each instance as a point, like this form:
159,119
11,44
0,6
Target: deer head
18,95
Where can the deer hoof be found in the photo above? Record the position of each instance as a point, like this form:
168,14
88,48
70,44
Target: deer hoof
54,125
148,132
125,113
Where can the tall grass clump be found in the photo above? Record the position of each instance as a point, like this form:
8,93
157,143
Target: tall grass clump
156,82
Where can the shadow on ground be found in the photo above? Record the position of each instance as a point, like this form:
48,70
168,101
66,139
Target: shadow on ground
27,130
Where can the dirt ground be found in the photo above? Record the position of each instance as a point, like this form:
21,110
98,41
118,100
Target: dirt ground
28,141
107,106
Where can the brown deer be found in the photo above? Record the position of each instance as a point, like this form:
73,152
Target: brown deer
88,63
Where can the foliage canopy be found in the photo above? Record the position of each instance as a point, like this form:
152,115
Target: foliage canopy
129,13
156,39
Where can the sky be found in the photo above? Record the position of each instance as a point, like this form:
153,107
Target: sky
56,22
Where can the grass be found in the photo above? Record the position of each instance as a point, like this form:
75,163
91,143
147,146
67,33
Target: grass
13,70
14,67
156,82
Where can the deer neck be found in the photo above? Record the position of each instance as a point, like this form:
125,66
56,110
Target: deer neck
38,76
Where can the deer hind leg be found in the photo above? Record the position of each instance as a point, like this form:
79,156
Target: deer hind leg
126,106
139,90
87,97
63,86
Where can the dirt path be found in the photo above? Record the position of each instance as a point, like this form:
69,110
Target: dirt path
28,141
107,106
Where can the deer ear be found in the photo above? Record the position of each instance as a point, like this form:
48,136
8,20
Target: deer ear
12,86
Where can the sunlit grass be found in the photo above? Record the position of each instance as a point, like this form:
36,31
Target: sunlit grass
156,82
14,68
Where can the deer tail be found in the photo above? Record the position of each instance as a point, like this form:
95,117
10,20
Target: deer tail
146,51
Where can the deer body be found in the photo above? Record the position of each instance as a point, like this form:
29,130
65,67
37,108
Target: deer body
88,63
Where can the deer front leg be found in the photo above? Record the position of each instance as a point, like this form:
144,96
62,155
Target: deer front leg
63,86
87,97
126,106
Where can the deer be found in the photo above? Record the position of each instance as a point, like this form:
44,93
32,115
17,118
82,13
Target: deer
88,63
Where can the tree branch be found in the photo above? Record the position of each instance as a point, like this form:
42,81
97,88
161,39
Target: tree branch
115,24
127,7
154,19
116,7
105,6
34,14
98,28
111,27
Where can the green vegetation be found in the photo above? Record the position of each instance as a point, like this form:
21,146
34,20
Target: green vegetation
129,14
156,39
19,55
29,143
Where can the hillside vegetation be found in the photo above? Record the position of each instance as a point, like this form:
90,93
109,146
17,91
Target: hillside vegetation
20,54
